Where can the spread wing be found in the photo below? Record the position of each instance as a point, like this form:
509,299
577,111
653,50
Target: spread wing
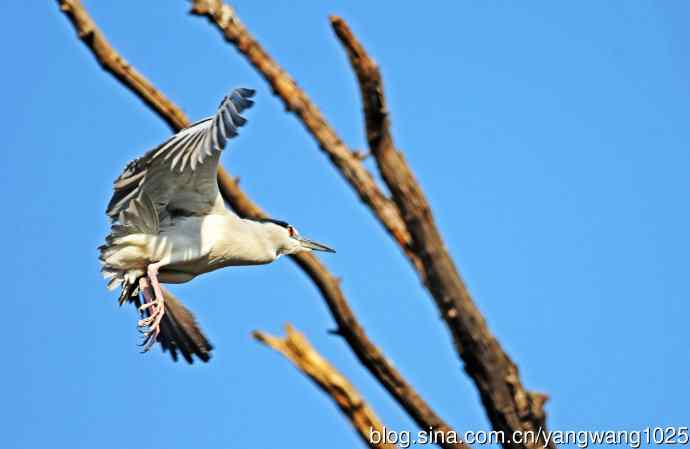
179,176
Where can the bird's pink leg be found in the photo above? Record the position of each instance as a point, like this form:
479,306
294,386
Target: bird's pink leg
153,277
155,305
149,302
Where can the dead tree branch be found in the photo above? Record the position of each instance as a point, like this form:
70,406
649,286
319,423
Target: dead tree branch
296,348
116,65
348,325
508,404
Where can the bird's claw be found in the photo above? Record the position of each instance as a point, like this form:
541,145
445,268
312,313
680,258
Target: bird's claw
150,326
148,305
145,322
150,337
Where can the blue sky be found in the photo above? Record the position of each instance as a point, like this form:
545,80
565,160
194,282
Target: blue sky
551,139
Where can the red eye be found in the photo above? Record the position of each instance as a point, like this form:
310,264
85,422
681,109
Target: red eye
291,230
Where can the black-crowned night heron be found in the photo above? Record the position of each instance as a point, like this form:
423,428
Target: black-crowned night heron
170,224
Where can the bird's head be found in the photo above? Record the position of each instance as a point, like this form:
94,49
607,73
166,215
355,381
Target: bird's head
288,241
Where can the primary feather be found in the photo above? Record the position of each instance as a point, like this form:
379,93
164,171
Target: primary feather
193,155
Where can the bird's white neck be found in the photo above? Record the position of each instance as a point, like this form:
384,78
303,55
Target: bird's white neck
236,241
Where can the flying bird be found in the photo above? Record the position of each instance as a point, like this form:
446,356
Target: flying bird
170,224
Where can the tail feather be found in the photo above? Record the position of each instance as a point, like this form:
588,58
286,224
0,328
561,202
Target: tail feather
179,331
185,333
169,332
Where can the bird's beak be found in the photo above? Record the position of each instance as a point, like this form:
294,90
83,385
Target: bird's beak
310,244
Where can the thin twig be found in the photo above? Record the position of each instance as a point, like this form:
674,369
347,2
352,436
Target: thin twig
296,348
348,326
509,405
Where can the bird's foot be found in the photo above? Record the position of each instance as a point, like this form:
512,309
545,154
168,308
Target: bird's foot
152,312
149,315
150,326
154,315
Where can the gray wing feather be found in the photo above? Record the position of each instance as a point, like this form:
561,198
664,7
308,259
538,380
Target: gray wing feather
180,174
